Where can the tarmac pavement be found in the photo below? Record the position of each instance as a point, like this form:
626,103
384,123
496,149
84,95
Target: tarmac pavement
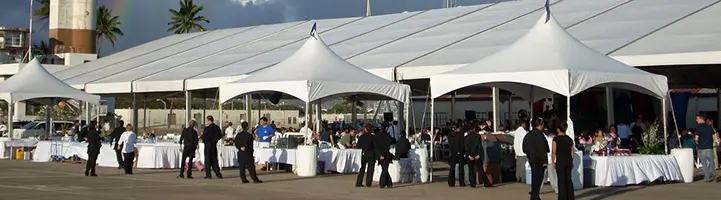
21,180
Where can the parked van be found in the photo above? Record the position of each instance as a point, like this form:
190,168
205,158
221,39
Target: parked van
37,129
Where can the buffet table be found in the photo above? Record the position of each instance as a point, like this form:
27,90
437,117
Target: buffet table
631,170
168,155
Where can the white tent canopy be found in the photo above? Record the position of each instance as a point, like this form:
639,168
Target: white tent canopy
34,82
550,58
312,73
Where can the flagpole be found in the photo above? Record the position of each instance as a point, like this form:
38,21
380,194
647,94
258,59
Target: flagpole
30,34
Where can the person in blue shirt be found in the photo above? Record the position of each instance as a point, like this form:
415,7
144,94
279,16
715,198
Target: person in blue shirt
704,141
265,133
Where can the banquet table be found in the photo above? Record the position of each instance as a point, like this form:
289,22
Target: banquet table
168,155
635,169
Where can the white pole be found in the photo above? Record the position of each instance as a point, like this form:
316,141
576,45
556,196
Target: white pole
30,34
188,108
494,98
406,112
368,8
307,121
665,131
433,139
533,100
453,106
10,119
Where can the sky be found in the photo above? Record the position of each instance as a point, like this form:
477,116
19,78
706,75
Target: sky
146,20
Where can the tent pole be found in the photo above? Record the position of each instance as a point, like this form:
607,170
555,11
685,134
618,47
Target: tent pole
406,112
248,108
354,111
533,100
609,106
87,113
135,110
48,113
494,98
453,106
221,116
307,121
188,107
10,119
665,130
433,140
568,114
318,115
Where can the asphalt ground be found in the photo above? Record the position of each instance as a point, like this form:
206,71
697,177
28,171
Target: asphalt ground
53,181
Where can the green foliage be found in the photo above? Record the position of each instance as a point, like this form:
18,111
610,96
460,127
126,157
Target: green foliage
651,144
58,114
107,27
187,18
345,107
43,12
653,149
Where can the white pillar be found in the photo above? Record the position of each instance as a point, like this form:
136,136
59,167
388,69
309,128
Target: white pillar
609,107
494,98
665,122
571,133
318,115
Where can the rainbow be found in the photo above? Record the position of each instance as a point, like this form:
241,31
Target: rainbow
119,8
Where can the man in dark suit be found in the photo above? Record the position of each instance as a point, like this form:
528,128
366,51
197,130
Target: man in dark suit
244,144
457,158
535,146
211,136
368,158
188,145
475,154
115,136
403,146
93,137
382,144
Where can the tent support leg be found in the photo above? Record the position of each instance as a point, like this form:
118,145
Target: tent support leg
10,119
307,122
248,108
433,141
530,103
48,114
453,106
188,107
135,110
494,98
665,130
609,106
354,111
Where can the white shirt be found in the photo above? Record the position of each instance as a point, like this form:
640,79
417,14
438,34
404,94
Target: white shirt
106,126
518,136
624,132
128,140
229,133
394,131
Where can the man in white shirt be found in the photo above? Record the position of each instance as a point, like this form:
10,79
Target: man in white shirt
106,126
521,159
624,132
394,131
229,132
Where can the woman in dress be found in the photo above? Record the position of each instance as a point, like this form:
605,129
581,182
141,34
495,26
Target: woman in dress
562,157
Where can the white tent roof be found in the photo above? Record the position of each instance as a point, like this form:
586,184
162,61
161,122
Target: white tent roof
34,82
312,73
550,58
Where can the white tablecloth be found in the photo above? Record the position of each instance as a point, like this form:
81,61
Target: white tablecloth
636,169
167,155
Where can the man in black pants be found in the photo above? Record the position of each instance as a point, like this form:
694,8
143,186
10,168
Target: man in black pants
115,135
188,145
368,158
536,149
244,143
210,136
382,147
475,154
455,143
92,135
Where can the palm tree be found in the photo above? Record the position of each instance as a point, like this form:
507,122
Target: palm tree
107,27
39,51
44,12
186,19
